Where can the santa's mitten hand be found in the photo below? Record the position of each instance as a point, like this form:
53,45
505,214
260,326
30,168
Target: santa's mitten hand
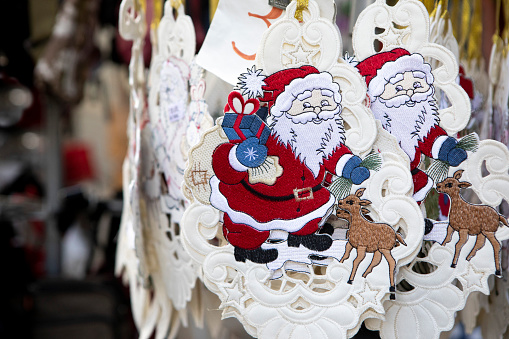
450,153
354,171
251,153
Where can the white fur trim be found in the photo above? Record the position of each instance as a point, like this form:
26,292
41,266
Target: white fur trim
278,235
421,194
405,63
298,86
437,144
341,164
218,200
234,162
438,232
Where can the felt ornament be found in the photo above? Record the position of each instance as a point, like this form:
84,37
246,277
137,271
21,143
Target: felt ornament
388,40
266,245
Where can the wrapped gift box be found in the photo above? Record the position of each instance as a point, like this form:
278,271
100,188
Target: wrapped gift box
239,127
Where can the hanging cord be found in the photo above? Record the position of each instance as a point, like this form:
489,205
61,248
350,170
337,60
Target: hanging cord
301,6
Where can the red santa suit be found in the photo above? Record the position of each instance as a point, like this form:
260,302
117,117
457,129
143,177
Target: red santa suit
295,203
430,147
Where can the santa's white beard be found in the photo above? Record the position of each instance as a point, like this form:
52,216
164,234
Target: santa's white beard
408,124
311,139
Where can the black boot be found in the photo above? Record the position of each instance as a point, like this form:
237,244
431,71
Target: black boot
326,229
428,226
258,255
314,242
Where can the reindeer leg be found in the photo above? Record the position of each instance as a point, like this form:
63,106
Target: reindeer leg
496,251
348,249
377,257
361,253
448,238
479,243
392,267
459,245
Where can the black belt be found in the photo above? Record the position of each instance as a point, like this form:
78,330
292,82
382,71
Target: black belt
295,195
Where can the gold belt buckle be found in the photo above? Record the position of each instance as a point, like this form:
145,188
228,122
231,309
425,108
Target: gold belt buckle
297,192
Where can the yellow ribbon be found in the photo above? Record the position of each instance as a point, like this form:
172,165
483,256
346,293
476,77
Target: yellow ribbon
158,13
455,15
435,7
474,50
505,34
465,25
496,36
212,8
176,3
444,5
430,5
301,6
143,5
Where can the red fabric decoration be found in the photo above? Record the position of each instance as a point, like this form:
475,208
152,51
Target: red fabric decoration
243,236
426,145
466,83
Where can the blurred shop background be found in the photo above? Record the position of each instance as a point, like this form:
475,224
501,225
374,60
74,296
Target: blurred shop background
63,111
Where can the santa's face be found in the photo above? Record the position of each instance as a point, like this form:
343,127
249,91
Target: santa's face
407,109
317,105
407,89
312,127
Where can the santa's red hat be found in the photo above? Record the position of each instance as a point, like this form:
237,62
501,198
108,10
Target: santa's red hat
281,88
380,68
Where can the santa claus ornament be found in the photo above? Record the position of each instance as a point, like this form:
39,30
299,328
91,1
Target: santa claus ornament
395,58
286,193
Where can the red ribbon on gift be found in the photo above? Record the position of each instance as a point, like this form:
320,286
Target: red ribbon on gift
237,104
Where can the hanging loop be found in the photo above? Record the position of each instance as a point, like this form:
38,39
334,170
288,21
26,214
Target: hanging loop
301,6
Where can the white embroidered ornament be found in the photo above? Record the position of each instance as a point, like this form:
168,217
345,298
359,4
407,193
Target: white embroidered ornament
168,110
317,42
435,297
427,304
305,299
168,101
162,304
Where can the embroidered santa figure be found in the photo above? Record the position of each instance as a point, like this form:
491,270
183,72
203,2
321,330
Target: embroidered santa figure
400,87
307,138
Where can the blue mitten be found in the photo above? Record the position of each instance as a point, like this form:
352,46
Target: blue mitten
353,171
450,153
251,153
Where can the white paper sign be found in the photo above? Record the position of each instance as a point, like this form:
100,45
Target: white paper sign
234,35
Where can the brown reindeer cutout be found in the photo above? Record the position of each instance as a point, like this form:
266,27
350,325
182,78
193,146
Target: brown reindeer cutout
367,236
469,219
